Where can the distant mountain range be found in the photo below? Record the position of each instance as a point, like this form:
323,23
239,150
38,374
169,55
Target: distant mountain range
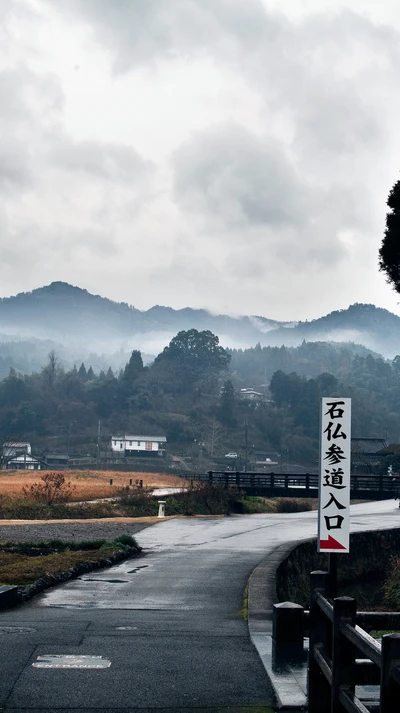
77,323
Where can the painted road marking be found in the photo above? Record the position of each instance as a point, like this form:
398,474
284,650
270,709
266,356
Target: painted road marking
70,661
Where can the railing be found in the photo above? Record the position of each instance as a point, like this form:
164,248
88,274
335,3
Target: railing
300,485
342,655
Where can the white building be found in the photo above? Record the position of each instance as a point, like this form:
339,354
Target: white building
250,395
24,462
138,445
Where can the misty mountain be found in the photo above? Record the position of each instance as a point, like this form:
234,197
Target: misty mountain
79,326
67,314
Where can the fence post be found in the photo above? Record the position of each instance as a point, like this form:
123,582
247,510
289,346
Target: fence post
272,480
288,623
307,482
237,479
319,692
343,652
210,476
390,689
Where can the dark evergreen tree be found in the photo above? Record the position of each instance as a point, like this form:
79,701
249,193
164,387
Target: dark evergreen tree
82,372
389,253
132,371
226,409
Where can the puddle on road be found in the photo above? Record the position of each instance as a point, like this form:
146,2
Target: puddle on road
113,581
109,581
133,571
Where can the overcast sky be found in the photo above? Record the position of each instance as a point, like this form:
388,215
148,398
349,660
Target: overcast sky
228,154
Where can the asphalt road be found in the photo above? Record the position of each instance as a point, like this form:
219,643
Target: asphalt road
169,623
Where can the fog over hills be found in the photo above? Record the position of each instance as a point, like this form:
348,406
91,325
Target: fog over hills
78,324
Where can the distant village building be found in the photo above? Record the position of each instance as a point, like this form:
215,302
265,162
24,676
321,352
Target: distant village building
24,462
366,453
143,446
250,395
16,448
56,460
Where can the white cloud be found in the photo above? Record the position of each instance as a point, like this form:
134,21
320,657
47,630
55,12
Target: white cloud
218,153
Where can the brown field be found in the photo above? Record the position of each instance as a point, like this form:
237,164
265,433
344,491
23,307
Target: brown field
89,484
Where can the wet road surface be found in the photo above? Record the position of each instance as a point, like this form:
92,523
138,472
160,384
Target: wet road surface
167,626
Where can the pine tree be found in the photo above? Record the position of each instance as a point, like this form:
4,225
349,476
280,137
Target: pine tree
82,372
133,369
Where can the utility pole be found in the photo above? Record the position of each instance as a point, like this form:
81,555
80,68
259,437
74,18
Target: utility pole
98,441
245,445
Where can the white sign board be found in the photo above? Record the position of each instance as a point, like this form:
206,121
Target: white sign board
334,479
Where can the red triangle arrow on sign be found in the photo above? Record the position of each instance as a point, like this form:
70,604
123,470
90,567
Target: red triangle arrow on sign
330,544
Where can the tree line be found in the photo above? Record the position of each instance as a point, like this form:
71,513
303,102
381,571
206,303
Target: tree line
191,393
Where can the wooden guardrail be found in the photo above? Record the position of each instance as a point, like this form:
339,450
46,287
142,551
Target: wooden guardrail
362,487
342,655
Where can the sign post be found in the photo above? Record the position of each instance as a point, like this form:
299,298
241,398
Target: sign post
334,479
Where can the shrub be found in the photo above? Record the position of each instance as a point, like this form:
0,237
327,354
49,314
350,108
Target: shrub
293,504
258,505
53,489
137,503
205,499
126,541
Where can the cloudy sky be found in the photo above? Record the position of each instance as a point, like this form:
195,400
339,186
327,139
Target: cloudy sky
228,154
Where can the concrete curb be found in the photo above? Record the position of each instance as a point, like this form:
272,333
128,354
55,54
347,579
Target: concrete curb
288,680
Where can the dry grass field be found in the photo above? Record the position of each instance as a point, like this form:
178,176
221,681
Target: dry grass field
89,484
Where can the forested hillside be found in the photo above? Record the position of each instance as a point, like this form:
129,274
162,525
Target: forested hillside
191,393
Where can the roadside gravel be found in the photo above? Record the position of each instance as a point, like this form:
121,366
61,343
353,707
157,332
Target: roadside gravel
68,531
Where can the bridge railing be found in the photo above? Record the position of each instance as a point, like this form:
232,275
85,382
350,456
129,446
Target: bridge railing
342,655
385,485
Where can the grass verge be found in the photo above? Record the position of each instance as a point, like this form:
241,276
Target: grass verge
24,563
244,612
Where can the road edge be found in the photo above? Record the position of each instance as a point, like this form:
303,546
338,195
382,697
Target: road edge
288,686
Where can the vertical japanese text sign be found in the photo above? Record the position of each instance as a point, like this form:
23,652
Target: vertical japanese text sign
334,479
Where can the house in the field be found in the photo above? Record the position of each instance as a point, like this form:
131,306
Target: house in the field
16,448
24,462
143,446
56,460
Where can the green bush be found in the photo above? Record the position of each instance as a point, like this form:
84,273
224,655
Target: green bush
254,505
126,541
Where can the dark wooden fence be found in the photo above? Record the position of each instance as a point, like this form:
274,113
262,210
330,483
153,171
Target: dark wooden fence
342,655
362,487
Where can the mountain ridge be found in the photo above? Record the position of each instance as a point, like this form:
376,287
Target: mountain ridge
67,313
